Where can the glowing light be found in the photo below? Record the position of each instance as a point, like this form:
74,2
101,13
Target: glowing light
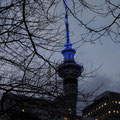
66,22
65,118
105,103
66,2
117,111
70,112
23,110
109,112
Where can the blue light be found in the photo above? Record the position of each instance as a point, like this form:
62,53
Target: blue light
66,20
69,68
68,53
66,2
66,5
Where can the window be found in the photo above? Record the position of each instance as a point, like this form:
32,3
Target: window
109,112
105,103
117,111
23,110
113,111
65,118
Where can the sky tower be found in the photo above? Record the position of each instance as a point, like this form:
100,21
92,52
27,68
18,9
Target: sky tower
69,70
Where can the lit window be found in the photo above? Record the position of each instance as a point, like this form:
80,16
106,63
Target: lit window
65,118
116,102
105,103
23,110
70,112
119,102
109,112
99,107
113,111
117,111
102,105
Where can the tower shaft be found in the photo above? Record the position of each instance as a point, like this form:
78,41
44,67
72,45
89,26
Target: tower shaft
71,91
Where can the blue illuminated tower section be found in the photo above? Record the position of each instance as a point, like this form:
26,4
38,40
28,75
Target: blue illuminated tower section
69,70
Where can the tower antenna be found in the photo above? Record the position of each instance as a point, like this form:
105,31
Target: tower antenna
66,22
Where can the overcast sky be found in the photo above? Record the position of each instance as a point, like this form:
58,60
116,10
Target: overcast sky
106,54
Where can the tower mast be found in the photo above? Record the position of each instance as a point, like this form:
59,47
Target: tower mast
66,22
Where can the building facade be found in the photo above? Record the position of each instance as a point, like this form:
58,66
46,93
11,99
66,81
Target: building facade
17,107
105,107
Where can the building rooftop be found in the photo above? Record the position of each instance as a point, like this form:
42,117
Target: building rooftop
106,94
100,97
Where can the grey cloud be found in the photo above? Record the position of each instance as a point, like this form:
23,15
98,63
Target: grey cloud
109,84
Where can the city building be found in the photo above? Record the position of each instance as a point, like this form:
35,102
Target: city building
105,107
88,118
18,107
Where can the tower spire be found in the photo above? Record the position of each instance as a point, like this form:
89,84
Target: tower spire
69,68
66,22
